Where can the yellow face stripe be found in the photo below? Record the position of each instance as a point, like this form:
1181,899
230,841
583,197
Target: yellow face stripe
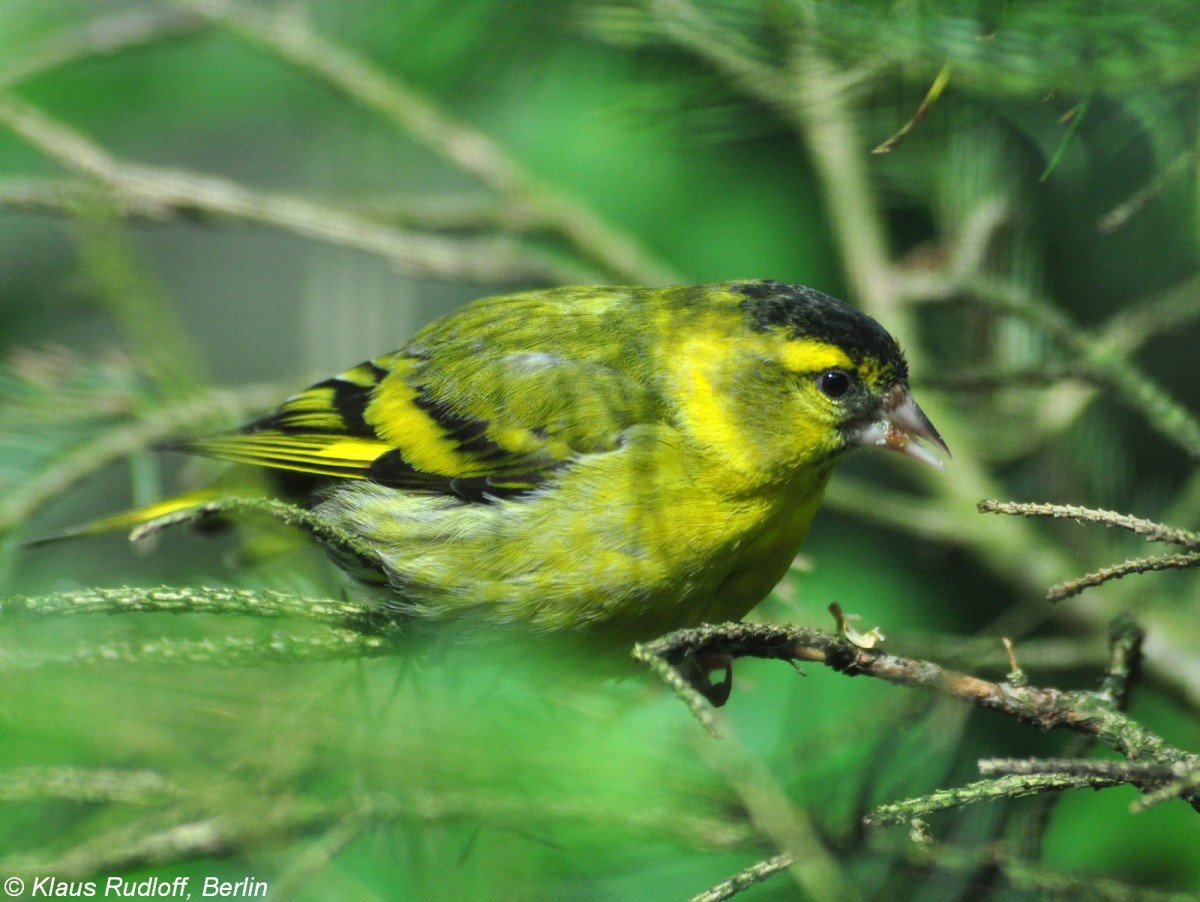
808,355
711,383
704,404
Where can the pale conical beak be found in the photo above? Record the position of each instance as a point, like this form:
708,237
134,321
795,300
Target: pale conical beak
902,427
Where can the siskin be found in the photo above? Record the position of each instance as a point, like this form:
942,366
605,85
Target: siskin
614,460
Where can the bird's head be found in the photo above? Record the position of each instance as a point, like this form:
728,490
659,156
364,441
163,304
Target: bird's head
801,379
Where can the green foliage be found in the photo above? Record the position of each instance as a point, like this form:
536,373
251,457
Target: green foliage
195,194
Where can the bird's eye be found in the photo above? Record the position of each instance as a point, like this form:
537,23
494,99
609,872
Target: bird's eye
834,383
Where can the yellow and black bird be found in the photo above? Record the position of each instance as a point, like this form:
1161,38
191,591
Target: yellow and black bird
617,460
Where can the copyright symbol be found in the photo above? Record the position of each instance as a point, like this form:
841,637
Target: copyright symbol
14,886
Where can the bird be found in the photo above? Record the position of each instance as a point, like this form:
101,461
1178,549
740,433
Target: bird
612,461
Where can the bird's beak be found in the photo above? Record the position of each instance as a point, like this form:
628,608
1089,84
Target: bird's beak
902,427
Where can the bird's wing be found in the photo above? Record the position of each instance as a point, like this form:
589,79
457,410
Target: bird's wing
437,418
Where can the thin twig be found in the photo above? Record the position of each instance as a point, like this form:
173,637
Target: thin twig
1185,784
137,301
169,193
671,674
1125,641
790,829
86,784
922,518
107,35
290,37
1120,771
317,856
726,50
1175,308
1136,202
1157,782
1034,377
265,603
743,880
220,405
1011,787
221,651
180,835
1109,363
931,97
1072,587
1154,532
1034,881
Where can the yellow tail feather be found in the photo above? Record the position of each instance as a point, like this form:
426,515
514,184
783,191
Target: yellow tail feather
135,517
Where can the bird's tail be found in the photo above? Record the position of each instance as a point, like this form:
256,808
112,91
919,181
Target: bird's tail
131,519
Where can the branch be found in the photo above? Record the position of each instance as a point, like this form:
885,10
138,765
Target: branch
1157,782
1115,218
1108,363
82,784
1154,532
1087,713
1072,587
186,600
182,835
1174,309
349,630
922,518
107,35
170,193
1044,375
725,49
1114,771
21,501
743,880
893,814
223,651
1125,658
290,37
1029,880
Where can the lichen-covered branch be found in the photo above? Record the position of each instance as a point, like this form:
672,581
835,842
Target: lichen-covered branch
905,811
1087,713
186,600
744,879
1071,587
221,651
1154,532
84,784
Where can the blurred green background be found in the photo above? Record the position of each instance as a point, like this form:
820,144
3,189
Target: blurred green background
206,205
